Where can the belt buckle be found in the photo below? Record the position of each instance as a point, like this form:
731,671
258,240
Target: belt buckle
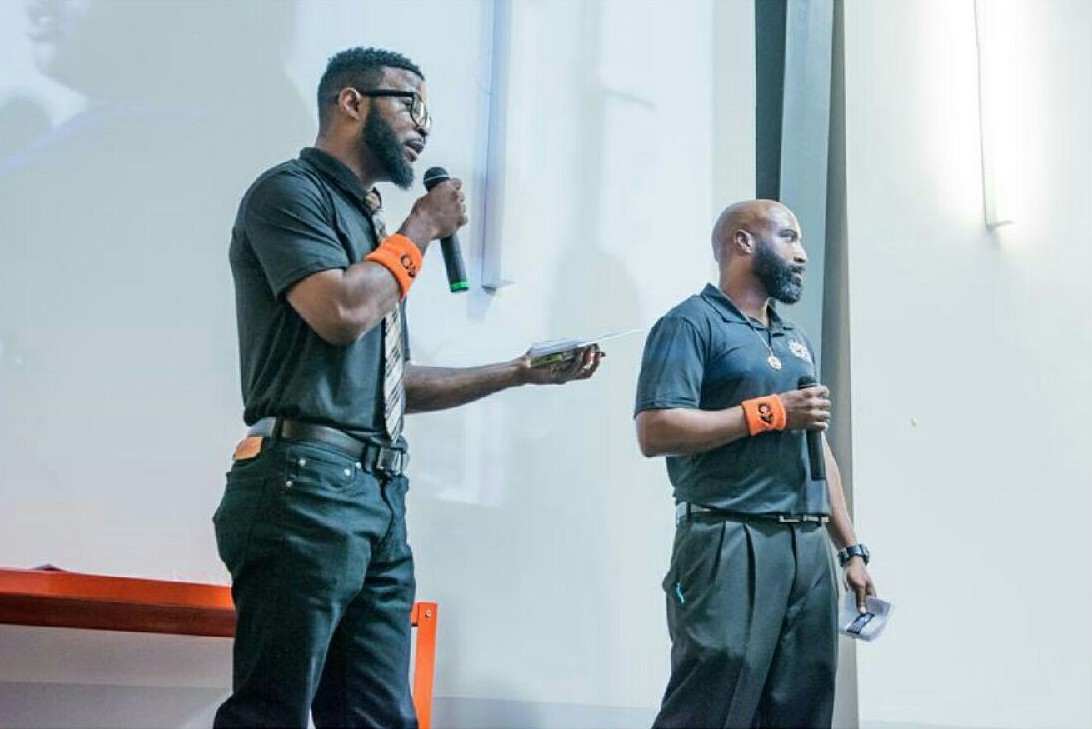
391,462
801,519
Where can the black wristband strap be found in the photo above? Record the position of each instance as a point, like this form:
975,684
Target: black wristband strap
854,550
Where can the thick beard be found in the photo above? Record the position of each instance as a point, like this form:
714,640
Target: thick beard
776,275
380,139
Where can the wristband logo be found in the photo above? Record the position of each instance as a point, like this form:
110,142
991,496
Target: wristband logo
764,414
408,264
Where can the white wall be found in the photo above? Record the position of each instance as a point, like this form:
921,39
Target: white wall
970,357
539,527
536,524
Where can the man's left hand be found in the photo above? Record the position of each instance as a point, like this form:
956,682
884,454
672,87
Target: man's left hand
858,580
580,367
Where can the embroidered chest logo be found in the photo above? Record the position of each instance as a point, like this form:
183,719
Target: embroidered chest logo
797,347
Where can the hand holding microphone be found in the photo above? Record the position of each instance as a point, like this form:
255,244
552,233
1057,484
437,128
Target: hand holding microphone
453,254
820,413
437,215
806,408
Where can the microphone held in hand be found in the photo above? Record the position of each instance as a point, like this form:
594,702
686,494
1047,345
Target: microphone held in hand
453,254
815,439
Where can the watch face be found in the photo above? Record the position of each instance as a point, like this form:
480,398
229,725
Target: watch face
854,550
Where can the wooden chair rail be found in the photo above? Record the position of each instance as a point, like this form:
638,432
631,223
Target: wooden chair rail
58,599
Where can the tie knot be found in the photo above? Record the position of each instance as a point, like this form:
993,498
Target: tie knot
373,201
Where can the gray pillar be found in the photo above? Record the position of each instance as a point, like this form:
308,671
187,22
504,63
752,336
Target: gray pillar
805,133
799,66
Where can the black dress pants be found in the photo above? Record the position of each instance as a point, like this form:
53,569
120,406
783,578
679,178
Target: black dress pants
752,613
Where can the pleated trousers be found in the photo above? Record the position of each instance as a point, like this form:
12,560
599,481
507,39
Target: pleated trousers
752,614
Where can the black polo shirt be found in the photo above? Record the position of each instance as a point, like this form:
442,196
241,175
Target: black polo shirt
702,354
301,217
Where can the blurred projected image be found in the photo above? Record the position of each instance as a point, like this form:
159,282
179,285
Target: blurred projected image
129,129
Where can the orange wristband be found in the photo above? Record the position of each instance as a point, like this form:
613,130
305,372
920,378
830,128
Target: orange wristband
401,256
764,413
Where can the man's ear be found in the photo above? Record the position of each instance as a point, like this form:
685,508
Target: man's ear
351,103
743,242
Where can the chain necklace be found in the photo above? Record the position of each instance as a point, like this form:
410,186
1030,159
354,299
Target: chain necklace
773,360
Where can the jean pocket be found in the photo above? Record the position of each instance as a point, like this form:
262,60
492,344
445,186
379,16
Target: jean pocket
242,507
314,467
264,464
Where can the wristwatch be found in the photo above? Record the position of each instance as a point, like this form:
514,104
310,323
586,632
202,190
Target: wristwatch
853,550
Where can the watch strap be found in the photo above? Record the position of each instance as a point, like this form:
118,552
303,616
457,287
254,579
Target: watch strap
853,550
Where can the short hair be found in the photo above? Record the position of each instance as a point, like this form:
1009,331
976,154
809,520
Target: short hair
357,67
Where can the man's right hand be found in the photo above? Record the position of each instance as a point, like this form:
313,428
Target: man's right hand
437,214
807,409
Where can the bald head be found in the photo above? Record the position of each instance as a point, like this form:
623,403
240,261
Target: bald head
749,217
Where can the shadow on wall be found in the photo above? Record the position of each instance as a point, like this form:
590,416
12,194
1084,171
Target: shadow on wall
115,316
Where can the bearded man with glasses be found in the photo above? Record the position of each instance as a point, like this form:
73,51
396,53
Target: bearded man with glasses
312,521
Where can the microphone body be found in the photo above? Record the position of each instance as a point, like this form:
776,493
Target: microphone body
453,253
816,461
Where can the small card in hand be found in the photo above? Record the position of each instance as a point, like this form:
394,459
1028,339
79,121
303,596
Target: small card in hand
562,350
865,626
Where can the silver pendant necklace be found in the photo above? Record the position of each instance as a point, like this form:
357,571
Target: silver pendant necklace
773,360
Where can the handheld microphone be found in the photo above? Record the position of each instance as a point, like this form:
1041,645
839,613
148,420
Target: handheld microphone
815,439
453,254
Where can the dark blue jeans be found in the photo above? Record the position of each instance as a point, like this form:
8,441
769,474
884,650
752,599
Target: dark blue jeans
322,578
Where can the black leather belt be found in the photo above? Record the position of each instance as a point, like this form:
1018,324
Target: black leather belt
685,511
372,458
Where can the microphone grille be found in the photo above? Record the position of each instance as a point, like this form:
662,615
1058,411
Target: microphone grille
434,176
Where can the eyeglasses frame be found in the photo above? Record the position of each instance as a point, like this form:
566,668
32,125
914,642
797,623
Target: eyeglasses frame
425,123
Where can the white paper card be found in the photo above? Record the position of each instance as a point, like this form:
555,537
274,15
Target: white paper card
865,626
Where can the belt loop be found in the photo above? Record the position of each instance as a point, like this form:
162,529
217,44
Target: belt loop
278,426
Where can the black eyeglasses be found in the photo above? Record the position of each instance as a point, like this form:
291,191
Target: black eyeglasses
417,110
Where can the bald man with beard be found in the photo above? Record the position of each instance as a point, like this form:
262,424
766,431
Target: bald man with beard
751,590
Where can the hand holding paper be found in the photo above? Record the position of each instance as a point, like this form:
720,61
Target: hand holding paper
578,363
866,625
565,350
